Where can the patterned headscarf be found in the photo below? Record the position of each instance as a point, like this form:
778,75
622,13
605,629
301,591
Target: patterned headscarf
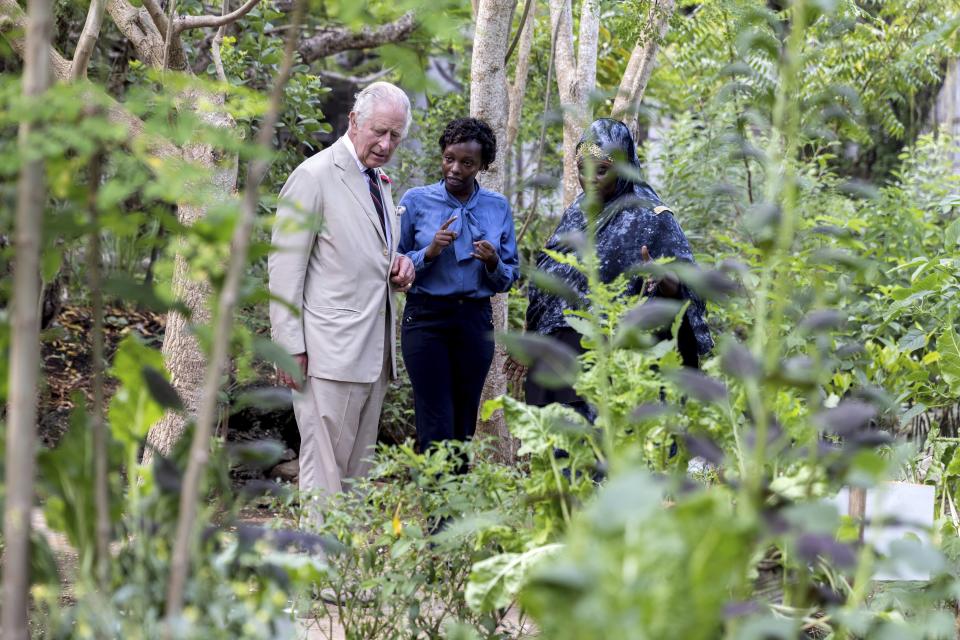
609,140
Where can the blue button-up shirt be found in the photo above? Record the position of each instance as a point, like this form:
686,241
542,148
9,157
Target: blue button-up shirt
485,216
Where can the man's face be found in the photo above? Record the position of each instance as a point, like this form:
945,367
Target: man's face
377,137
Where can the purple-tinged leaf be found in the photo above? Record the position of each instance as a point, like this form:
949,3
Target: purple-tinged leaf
699,386
738,362
552,363
847,417
741,609
161,390
704,448
810,546
653,314
822,320
649,411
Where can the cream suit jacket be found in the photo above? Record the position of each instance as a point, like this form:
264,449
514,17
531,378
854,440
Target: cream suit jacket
330,269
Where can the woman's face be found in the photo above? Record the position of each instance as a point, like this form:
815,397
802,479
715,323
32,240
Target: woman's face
603,181
460,164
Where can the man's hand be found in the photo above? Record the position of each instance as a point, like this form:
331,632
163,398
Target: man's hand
442,239
288,380
402,273
484,251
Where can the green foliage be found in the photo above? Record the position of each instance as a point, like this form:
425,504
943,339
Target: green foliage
867,66
838,297
410,534
816,263
627,560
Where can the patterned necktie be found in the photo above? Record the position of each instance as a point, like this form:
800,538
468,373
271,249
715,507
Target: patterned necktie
375,195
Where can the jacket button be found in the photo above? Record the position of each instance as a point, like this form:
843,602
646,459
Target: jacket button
384,252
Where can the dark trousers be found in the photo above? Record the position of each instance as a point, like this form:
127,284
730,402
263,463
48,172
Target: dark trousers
447,348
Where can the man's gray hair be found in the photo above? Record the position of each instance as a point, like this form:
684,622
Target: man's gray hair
377,93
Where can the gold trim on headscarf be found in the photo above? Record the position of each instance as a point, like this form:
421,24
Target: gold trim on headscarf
592,150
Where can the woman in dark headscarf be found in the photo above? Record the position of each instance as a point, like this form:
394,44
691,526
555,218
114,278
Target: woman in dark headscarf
633,226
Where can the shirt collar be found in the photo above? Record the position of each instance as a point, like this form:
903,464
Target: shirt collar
348,143
454,202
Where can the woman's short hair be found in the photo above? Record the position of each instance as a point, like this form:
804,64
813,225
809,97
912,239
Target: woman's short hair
467,129
377,93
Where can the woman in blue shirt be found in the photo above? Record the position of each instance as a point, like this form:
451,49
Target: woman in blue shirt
460,238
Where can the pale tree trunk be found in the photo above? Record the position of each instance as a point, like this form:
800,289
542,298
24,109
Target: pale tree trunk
576,79
181,351
516,93
637,74
101,487
229,295
489,102
946,109
25,339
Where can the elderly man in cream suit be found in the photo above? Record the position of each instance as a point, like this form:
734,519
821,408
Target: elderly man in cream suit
332,274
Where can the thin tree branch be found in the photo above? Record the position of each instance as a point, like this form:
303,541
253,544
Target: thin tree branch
215,46
517,90
334,41
88,39
531,212
139,30
199,447
640,67
101,493
448,75
157,15
357,80
515,95
197,22
25,339
168,36
13,24
520,27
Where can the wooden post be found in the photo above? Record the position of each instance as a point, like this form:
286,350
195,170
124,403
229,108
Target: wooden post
857,508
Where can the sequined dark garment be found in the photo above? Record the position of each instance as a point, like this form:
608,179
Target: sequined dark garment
627,222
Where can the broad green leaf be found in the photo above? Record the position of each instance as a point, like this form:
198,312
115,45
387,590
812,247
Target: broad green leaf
132,408
948,345
540,429
952,235
272,352
50,261
495,582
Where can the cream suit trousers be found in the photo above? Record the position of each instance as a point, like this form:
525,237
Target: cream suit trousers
338,424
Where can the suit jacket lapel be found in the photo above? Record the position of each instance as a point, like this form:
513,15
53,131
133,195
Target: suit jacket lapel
356,182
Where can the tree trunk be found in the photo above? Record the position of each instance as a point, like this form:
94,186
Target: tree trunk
946,109
518,90
576,79
489,101
220,349
181,352
637,74
25,340
101,460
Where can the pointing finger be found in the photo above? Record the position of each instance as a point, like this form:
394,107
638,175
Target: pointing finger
644,254
449,222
